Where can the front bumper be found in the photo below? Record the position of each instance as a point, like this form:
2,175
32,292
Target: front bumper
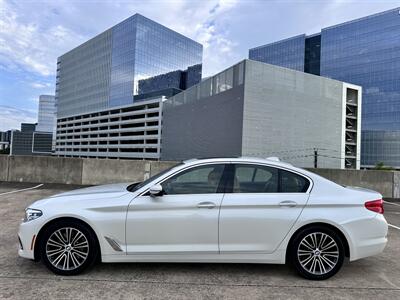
27,237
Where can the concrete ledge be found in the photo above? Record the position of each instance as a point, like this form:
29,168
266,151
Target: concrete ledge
381,181
86,171
45,169
100,171
3,167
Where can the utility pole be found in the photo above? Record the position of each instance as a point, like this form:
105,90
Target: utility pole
315,158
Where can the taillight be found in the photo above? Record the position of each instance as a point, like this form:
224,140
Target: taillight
375,205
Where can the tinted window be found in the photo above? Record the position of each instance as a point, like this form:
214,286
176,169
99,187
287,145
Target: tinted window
255,179
293,183
197,180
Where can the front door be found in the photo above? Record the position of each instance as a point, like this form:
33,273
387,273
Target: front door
183,220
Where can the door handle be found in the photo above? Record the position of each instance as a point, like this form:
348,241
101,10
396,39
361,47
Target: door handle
287,203
208,205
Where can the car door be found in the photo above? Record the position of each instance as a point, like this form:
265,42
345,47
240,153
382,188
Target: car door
260,207
183,219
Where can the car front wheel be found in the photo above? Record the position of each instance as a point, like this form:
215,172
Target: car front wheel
68,248
317,253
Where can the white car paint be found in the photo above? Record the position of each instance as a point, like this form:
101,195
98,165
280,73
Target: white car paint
240,228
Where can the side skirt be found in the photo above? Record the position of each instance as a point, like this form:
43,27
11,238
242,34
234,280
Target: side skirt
278,257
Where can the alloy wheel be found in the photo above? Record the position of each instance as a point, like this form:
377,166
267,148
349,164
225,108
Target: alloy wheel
67,248
318,253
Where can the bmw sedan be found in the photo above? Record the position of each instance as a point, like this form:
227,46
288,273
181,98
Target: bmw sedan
233,210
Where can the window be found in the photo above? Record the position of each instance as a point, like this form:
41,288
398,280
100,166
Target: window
293,183
262,179
255,179
197,180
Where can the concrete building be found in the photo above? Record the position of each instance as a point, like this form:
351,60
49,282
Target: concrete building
28,141
257,109
364,52
130,131
135,59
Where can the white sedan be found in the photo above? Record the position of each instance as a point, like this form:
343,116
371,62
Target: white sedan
232,210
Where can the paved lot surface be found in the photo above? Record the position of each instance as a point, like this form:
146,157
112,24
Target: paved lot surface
371,278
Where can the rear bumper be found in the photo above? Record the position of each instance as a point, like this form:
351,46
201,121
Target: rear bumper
368,239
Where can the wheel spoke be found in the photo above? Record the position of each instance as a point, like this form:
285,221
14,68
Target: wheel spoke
322,241
80,255
306,260
58,259
55,253
328,262
323,268
54,243
60,237
307,245
76,238
329,245
84,243
74,260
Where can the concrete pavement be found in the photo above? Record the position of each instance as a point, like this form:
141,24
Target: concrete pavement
371,278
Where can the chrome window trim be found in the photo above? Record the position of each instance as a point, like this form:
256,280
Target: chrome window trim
146,188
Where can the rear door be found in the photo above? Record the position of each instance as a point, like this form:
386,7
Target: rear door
259,208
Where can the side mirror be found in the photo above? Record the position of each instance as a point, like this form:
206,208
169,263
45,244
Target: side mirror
156,190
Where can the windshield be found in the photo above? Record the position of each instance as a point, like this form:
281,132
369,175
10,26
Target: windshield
138,185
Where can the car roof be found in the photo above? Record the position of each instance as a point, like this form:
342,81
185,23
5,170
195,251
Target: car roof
270,160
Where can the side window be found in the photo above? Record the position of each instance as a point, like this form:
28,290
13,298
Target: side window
197,180
255,179
293,183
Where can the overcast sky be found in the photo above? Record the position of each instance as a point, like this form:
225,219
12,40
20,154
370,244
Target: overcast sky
34,33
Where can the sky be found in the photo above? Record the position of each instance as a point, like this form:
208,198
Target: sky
34,33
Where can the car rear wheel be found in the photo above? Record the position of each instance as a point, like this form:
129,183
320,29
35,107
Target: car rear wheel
68,248
317,253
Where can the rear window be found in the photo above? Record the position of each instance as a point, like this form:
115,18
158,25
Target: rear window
293,183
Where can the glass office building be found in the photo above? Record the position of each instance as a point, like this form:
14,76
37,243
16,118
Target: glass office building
288,53
107,70
46,114
365,52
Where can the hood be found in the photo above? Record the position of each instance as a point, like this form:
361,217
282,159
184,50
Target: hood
116,188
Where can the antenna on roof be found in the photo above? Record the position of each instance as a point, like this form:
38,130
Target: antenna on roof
274,158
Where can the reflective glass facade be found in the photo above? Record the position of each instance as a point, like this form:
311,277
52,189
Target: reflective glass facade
366,52
106,71
46,114
288,53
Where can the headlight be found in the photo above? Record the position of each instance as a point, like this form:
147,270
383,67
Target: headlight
32,214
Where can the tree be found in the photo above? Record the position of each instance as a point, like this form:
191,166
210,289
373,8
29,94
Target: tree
381,166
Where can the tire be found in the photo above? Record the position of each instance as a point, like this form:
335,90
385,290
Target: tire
68,247
317,252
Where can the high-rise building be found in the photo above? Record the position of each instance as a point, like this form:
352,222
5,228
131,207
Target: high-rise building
364,52
46,114
122,65
258,109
